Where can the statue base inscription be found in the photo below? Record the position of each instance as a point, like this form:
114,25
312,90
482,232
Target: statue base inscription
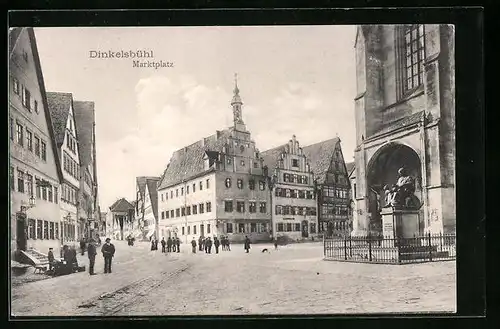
400,223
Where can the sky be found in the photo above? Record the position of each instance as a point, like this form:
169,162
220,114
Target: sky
292,79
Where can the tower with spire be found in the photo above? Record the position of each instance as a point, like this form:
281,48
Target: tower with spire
236,103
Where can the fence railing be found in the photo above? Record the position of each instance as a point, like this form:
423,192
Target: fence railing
391,250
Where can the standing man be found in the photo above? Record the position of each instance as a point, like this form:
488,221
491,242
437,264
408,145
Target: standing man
92,252
216,244
228,244
169,244
247,244
178,244
50,256
163,243
200,242
82,245
108,251
208,245
193,245
174,244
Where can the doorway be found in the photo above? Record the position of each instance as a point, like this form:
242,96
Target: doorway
202,230
305,229
21,233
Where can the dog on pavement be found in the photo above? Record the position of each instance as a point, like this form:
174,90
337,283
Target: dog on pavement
265,250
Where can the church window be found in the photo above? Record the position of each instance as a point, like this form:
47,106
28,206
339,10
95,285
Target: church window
411,47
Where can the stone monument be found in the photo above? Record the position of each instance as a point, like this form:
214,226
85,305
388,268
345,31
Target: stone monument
400,215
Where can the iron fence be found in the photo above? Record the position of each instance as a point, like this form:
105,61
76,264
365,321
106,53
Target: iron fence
391,250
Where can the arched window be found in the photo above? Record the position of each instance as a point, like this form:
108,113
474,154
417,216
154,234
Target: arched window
228,182
411,56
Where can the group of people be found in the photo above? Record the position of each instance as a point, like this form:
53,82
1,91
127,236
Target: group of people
169,245
108,252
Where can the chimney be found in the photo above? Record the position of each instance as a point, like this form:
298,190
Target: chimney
290,146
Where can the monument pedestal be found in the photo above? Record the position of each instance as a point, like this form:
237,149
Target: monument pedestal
399,223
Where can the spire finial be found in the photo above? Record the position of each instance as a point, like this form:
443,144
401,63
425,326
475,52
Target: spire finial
236,90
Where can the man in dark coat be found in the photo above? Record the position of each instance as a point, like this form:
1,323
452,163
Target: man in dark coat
169,244
228,244
50,256
174,244
216,244
247,244
223,242
163,243
108,251
200,243
152,244
92,252
193,245
82,245
208,246
178,244
73,260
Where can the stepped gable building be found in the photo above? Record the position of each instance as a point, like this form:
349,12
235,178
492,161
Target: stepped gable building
121,214
332,186
88,197
146,206
404,112
217,186
294,206
65,131
35,169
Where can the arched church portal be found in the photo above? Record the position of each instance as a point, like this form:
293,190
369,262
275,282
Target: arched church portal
383,170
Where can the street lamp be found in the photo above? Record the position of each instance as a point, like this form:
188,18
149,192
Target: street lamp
31,204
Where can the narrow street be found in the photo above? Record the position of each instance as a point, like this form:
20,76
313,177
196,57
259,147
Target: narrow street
291,280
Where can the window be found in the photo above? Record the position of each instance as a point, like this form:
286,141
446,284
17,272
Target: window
37,146
280,227
187,189
241,228
412,55
295,194
208,183
50,196
297,227
11,128
252,207
288,193
279,210
15,85
12,179
177,212
202,210
295,163
162,215
209,206
26,97
56,231
39,229
262,185
38,189
51,231
44,152
263,208
195,209
162,197
167,214
228,160
255,165
253,227
286,210
31,229
189,230
29,140
36,106
208,228
228,206
183,230
45,229
182,190
228,182
176,192
229,227
289,227
183,211
312,227
172,213
19,134
295,178
286,177
240,183
240,206
194,188
188,210
242,163
194,229
20,181
171,194
201,186
44,193
251,184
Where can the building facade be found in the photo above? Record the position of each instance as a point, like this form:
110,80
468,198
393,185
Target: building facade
217,186
404,112
88,201
332,186
146,206
353,219
294,206
35,170
120,219
63,120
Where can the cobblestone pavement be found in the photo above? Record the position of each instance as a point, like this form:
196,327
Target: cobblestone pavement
291,280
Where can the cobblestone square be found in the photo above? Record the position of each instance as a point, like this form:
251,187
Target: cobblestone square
291,280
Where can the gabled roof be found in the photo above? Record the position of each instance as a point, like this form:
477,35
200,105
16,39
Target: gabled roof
14,36
153,193
85,120
272,156
188,161
121,205
320,156
59,105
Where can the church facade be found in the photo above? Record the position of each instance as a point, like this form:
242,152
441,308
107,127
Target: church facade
216,186
404,111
